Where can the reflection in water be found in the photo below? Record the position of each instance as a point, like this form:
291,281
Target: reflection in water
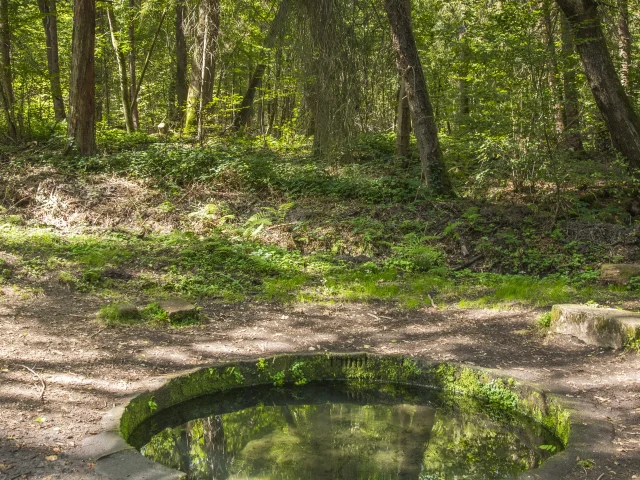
339,431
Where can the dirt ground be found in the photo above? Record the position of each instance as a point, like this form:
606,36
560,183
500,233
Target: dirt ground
88,369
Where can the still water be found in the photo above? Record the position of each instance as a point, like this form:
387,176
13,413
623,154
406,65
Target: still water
341,431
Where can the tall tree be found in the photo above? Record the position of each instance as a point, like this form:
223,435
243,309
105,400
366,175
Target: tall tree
181,57
553,74
624,35
434,173
6,81
132,65
403,124
122,71
205,49
49,13
81,126
245,108
621,119
572,135
464,101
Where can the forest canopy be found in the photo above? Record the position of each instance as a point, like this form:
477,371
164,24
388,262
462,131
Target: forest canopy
518,83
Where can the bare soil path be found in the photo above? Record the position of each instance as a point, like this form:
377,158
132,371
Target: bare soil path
88,369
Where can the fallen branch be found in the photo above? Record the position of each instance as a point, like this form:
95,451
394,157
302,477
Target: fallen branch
469,263
96,333
44,385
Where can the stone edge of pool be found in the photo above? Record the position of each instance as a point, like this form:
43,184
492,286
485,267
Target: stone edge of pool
569,419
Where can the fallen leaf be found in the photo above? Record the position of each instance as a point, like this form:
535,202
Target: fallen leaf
5,466
40,420
51,458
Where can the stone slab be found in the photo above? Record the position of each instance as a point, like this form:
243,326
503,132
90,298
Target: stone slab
130,465
603,327
179,310
620,274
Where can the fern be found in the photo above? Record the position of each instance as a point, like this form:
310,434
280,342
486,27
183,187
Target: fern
266,217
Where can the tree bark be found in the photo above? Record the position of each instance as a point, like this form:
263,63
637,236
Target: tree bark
434,173
553,77
403,128
622,121
210,57
132,67
625,44
572,135
122,71
463,84
246,106
181,57
6,81
50,23
81,126
206,44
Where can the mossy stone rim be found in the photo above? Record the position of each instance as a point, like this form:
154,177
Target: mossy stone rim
566,421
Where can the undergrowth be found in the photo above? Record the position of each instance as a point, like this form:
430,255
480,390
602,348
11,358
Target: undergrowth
275,223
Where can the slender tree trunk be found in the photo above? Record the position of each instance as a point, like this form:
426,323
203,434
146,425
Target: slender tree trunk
434,173
572,135
210,58
132,67
50,22
122,71
81,126
621,119
625,44
206,43
181,57
245,108
553,77
6,81
403,128
463,84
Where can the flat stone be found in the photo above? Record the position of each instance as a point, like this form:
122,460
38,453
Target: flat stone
179,310
619,274
604,327
130,465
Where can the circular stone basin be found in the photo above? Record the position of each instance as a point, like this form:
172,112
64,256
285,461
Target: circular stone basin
345,417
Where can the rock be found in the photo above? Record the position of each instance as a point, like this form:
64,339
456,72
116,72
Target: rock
604,327
619,274
179,311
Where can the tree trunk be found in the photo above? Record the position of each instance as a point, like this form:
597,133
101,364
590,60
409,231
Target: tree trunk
463,84
553,77
625,44
403,129
572,135
245,108
434,173
206,43
81,127
181,57
50,22
122,71
621,119
6,81
132,67
210,58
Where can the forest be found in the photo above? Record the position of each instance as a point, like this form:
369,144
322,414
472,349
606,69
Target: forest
193,181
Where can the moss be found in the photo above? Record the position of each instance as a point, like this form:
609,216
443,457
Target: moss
476,387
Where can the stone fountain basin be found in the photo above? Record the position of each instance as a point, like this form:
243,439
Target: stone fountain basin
567,418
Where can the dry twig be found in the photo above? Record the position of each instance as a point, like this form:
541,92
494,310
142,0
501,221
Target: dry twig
44,385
